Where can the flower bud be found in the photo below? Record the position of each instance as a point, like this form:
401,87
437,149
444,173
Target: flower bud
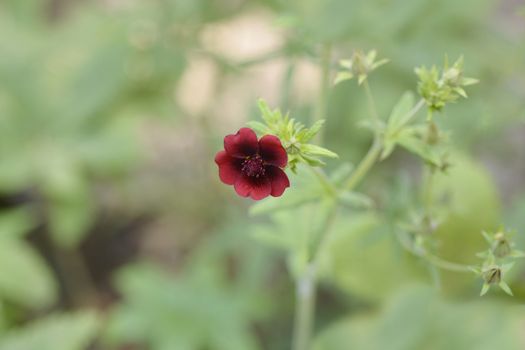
492,275
501,246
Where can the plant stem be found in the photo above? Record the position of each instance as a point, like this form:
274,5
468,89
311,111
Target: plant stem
433,259
427,189
305,308
365,165
324,181
371,105
445,264
306,284
320,111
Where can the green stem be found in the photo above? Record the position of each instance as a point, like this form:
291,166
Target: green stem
445,264
433,259
427,190
411,114
320,111
306,284
365,165
305,308
371,105
324,181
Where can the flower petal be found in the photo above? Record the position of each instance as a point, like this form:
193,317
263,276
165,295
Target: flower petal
278,180
242,144
229,167
257,188
272,151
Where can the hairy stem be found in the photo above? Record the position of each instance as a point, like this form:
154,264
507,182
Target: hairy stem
324,181
320,111
305,308
427,190
306,285
365,165
433,259
371,105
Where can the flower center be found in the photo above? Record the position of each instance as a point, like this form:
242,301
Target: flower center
253,166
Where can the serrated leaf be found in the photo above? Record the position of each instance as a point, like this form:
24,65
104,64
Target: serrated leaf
419,147
269,116
307,134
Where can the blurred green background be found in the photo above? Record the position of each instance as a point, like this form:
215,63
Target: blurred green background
115,232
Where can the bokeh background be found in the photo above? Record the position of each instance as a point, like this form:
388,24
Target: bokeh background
115,232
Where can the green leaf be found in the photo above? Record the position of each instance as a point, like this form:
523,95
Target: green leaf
388,148
307,134
74,331
484,289
361,78
267,235
416,318
356,200
401,112
417,146
505,287
305,188
16,222
310,149
364,260
342,76
20,264
259,127
269,116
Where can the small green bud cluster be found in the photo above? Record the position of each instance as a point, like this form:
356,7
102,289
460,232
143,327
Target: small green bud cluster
438,90
497,260
294,136
359,65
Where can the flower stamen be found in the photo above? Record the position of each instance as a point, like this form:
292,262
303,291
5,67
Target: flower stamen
253,166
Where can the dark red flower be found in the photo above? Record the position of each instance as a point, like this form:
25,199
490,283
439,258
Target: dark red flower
253,167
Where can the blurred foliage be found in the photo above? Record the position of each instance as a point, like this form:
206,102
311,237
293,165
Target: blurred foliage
428,322
208,305
73,331
79,83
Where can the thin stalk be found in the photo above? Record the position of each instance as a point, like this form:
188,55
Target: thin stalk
324,181
306,284
445,264
427,190
320,111
365,165
371,105
433,259
305,308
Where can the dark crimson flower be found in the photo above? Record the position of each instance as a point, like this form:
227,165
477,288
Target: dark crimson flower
253,167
